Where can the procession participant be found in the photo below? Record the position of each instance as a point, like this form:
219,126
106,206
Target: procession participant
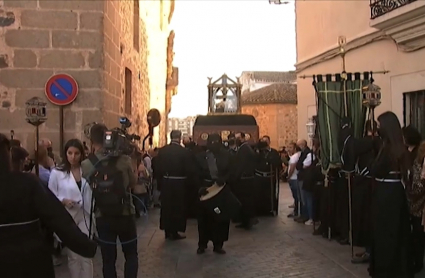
362,192
233,148
191,183
415,190
24,203
214,168
175,167
268,165
390,236
244,184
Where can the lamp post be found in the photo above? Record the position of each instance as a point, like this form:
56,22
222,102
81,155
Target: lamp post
311,129
36,115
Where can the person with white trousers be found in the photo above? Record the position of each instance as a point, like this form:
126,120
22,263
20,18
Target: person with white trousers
67,183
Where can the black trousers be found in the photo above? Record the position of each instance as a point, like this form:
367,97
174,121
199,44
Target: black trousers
418,242
123,228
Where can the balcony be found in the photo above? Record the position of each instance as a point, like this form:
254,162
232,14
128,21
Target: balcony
403,20
380,7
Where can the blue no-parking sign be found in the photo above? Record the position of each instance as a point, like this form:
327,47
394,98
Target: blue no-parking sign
61,89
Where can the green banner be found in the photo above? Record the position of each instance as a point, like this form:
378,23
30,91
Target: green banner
331,105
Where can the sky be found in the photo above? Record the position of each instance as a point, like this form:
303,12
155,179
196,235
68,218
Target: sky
227,36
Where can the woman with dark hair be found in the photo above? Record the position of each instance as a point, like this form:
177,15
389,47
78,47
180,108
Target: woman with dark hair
24,202
68,185
390,215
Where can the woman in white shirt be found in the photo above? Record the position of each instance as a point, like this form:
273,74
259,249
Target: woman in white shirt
67,183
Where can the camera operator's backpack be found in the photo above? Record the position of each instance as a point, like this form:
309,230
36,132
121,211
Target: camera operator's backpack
108,189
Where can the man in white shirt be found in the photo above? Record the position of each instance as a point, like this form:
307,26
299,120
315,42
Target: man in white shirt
294,154
307,195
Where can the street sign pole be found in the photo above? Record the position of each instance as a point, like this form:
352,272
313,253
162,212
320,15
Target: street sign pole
61,90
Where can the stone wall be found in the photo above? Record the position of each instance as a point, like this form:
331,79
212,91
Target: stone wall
279,121
42,38
93,42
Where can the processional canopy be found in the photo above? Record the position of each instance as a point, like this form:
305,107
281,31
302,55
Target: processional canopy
371,96
224,96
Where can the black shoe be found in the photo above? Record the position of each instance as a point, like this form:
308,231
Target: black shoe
292,215
219,251
177,237
200,251
361,260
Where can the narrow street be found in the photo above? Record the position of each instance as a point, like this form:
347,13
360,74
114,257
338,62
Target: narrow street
275,248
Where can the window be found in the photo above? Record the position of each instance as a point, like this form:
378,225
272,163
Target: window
414,110
136,25
127,96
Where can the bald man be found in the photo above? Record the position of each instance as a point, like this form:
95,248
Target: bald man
305,150
47,143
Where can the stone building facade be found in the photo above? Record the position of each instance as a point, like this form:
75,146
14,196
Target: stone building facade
275,109
116,50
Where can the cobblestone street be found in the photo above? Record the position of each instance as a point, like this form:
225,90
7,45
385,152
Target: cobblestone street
275,248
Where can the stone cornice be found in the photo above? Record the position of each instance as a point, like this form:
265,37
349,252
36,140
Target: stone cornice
335,51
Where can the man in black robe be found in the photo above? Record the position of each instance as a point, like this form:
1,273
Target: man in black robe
267,177
233,148
175,168
244,183
356,156
214,167
192,187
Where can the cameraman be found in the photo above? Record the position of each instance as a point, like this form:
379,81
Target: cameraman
111,227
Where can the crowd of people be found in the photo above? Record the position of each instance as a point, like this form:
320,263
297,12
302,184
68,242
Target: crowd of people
172,178
378,189
374,200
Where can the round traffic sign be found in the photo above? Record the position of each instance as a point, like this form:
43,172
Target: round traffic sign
61,89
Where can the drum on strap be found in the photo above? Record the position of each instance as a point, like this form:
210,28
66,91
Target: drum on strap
221,202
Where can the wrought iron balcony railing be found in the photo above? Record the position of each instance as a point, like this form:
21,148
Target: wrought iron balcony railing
381,7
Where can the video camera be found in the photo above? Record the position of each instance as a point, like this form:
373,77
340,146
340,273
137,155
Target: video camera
118,141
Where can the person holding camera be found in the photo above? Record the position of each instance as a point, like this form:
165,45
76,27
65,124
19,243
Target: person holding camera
112,178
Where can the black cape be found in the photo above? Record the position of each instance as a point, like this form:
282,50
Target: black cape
24,252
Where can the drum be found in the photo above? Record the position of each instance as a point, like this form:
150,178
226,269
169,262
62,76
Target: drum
221,202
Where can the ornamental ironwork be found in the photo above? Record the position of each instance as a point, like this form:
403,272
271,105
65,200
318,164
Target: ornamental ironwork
381,7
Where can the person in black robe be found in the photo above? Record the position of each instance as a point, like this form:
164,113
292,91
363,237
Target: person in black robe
390,230
232,147
192,187
267,177
24,204
175,168
243,173
214,167
357,156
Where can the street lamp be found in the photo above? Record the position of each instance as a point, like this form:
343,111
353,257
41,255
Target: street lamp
36,115
311,126
278,2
